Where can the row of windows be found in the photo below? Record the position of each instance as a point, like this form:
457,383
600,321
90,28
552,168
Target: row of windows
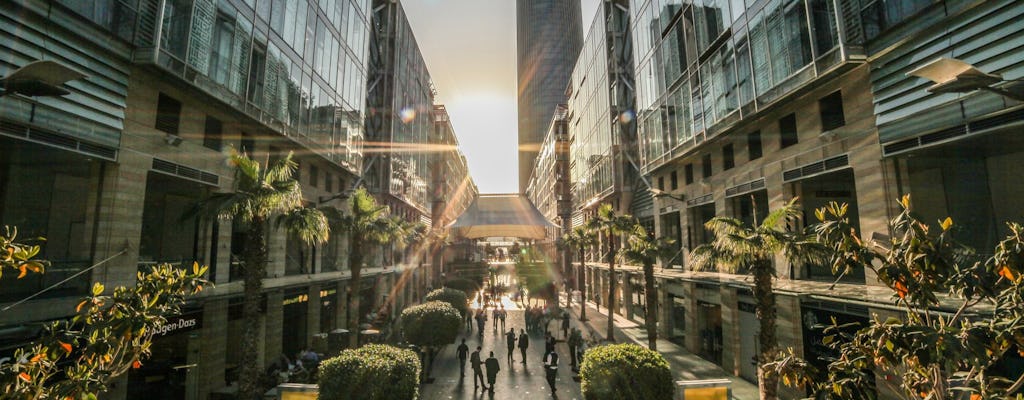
830,112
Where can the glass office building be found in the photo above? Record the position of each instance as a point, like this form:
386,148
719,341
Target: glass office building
549,36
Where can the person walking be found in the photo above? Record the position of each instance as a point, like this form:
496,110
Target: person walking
510,340
469,320
492,371
551,369
481,319
496,315
462,352
575,337
524,343
474,360
549,342
502,315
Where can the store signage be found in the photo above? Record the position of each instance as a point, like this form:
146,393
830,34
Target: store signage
180,323
302,298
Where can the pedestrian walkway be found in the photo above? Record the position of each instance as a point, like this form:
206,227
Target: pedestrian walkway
516,381
684,365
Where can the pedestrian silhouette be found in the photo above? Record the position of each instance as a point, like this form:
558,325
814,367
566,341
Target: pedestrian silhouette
478,373
492,371
510,340
462,352
524,343
551,369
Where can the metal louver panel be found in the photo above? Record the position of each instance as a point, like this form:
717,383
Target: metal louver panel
971,128
35,135
182,171
701,200
745,188
849,14
816,168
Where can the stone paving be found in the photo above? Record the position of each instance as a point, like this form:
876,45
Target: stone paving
516,380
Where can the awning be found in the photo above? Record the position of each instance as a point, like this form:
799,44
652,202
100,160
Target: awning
501,215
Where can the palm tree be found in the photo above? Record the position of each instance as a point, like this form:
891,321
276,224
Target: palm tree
646,250
368,224
579,239
260,194
610,225
740,245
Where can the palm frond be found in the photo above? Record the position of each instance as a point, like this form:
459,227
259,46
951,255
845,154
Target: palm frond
788,211
281,170
308,224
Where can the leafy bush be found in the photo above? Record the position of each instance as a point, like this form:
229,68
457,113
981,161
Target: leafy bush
376,371
467,286
625,372
435,323
456,298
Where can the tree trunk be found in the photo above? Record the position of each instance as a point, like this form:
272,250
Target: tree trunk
766,314
355,266
583,286
611,289
255,259
651,317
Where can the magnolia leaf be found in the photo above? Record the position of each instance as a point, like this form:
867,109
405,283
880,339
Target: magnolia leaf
97,289
948,222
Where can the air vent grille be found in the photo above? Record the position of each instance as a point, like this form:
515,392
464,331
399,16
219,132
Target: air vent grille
816,168
182,171
35,135
745,188
700,200
971,128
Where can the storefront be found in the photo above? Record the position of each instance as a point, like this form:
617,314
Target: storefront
816,316
175,352
709,327
328,310
677,322
296,312
750,327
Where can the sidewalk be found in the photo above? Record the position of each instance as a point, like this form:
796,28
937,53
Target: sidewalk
685,365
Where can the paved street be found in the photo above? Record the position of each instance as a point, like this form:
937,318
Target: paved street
515,381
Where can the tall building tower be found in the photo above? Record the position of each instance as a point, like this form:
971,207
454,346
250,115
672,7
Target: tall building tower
548,40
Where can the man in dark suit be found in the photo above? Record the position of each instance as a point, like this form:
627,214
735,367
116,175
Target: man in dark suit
492,371
478,372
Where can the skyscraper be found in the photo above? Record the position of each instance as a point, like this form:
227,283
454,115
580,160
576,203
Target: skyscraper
548,40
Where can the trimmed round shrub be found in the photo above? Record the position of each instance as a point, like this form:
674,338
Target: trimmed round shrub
469,287
456,298
371,372
435,323
625,372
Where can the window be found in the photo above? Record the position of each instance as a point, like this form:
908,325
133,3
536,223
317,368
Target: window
298,171
328,182
661,183
880,15
705,166
341,184
257,74
674,178
212,133
728,160
220,51
787,131
754,145
688,173
831,108
248,145
168,114
314,175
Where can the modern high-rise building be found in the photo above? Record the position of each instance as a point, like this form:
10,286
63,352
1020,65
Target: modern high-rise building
548,40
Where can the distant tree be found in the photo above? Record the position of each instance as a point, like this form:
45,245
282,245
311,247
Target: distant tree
625,372
371,372
260,195
431,326
611,226
738,245
940,356
579,239
108,335
456,298
646,251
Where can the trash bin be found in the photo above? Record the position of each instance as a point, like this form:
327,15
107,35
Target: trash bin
337,341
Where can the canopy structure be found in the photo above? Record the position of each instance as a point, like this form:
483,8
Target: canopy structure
498,215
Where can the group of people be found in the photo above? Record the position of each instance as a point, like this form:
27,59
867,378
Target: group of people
302,369
497,314
491,366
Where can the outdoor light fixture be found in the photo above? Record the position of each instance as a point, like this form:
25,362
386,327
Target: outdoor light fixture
662,193
955,76
39,78
172,140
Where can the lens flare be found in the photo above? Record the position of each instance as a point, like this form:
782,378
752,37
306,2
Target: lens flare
626,117
407,114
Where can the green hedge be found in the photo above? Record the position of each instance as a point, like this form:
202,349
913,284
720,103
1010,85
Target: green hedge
456,298
435,323
465,285
371,372
625,372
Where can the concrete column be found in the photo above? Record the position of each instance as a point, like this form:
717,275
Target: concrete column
789,328
223,252
627,294
730,331
664,311
341,311
273,326
120,219
692,317
277,240
213,354
312,314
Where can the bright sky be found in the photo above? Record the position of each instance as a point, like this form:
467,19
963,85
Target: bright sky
470,50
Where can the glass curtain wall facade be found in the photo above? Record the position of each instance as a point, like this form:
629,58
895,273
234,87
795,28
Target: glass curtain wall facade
601,126
401,103
298,66
548,40
702,66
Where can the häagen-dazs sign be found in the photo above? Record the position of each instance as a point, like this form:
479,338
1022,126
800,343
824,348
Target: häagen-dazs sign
180,323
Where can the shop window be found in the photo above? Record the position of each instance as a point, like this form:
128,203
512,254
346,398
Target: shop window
831,108
212,133
728,160
754,145
705,166
688,173
168,114
674,178
787,131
